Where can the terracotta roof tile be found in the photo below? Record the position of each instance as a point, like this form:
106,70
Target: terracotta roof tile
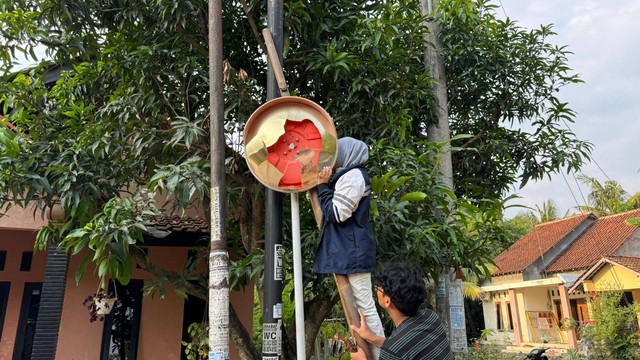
178,224
538,241
630,262
603,238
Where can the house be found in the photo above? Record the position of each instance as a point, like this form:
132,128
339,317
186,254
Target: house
42,315
540,278
618,272
41,308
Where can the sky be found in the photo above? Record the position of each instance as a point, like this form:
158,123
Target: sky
604,37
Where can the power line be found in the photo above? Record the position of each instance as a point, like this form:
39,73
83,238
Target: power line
579,189
597,235
570,190
503,10
592,158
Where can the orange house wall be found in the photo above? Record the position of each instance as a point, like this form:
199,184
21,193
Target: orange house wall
14,242
160,320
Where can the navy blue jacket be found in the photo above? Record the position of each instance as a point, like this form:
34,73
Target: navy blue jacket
346,247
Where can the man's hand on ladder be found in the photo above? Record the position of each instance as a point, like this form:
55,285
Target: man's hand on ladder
366,333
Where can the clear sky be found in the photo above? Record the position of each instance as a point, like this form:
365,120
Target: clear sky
605,39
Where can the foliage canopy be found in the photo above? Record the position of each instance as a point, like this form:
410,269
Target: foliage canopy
128,119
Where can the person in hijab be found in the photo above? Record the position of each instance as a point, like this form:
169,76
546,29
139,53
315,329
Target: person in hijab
347,245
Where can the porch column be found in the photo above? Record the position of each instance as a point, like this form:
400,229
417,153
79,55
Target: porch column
572,339
515,315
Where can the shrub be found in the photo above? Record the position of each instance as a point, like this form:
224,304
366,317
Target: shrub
614,332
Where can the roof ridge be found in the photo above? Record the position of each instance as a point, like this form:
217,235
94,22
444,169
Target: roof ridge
568,248
618,214
566,218
623,256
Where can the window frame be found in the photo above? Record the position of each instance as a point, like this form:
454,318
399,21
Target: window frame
5,290
510,327
135,326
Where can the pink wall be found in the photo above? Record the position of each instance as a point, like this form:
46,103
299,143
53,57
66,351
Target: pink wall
14,243
160,322
18,218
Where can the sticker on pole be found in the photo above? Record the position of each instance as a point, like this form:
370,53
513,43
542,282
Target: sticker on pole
270,338
287,141
441,291
216,355
457,317
277,266
277,311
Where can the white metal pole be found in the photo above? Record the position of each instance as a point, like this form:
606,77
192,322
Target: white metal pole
297,276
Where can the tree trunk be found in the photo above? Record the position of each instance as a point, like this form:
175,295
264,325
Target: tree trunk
316,311
438,131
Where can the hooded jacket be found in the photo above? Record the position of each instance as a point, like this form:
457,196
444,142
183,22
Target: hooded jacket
347,245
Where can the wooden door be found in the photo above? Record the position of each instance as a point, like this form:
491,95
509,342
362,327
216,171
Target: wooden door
583,314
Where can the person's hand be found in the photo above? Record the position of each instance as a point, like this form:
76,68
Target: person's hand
363,330
359,355
324,175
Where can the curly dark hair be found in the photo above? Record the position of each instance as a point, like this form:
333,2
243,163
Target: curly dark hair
403,283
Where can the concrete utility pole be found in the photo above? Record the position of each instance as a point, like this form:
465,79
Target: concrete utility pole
449,299
273,262
218,257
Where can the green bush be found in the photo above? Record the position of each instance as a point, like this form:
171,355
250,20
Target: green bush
487,352
613,334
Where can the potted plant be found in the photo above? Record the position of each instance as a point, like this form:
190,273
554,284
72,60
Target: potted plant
100,303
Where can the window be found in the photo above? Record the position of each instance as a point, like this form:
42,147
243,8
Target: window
27,321
557,306
509,318
4,297
626,299
195,311
25,263
122,325
500,325
3,259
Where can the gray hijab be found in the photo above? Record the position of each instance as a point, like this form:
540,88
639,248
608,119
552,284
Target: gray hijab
351,152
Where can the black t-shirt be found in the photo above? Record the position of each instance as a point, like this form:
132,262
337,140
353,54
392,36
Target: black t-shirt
420,337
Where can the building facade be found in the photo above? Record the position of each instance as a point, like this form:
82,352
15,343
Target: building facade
539,282
42,315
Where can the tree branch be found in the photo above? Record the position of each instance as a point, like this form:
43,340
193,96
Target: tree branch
315,311
254,28
199,48
472,140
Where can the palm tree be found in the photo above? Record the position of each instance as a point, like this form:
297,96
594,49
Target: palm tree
604,199
634,201
549,211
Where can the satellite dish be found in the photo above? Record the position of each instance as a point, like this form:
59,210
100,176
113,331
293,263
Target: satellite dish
287,141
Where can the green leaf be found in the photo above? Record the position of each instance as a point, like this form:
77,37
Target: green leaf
633,222
181,293
119,251
103,268
125,275
82,268
413,196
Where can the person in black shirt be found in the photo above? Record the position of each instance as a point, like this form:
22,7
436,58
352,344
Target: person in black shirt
419,334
